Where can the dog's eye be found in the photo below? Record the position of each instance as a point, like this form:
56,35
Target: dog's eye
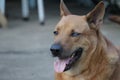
75,34
55,32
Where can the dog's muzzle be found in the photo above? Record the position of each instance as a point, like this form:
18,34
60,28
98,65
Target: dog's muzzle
66,63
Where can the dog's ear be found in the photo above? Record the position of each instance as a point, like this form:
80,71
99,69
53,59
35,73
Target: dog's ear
63,9
96,15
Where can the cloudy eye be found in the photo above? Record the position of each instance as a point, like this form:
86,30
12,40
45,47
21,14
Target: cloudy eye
55,32
75,34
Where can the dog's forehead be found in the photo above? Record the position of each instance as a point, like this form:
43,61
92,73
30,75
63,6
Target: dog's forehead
73,22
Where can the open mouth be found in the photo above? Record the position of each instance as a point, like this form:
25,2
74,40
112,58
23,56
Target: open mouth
62,65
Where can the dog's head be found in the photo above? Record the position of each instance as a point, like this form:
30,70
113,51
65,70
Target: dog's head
75,36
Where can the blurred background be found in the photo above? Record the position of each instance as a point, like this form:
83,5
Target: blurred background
26,33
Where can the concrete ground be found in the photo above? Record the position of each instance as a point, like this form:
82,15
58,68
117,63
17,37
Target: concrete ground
24,46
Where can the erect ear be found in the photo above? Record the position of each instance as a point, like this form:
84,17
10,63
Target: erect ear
96,15
63,9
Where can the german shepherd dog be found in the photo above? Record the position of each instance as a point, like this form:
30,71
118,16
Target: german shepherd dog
82,51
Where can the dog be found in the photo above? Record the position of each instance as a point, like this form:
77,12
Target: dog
82,52
3,21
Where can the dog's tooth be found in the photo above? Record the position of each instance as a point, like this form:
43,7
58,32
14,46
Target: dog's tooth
72,56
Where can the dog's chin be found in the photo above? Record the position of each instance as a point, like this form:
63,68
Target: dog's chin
65,64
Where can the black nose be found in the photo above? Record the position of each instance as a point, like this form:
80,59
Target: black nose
56,50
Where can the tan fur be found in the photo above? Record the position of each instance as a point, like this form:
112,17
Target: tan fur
100,58
3,21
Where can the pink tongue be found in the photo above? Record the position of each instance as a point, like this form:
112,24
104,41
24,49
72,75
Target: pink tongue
59,65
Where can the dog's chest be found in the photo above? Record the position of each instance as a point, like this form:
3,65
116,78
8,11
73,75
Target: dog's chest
67,77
